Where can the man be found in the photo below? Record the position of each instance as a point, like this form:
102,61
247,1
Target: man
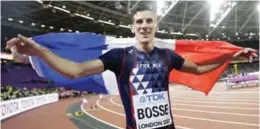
142,72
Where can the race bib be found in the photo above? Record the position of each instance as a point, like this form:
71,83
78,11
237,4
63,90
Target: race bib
152,110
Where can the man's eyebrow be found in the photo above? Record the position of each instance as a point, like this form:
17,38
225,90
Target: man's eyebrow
138,19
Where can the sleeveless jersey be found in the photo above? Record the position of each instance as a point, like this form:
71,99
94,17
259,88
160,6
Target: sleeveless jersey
143,84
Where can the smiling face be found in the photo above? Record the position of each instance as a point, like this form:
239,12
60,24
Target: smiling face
144,26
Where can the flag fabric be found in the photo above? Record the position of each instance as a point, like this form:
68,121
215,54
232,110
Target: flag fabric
81,47
202,52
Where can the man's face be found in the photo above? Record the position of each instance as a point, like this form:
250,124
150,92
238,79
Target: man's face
144,26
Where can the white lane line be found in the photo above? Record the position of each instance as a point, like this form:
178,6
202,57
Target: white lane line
82,108
226,113
220,97
227,107
215,99
115,103
242,96
212,102
194,118
214,120
121,114
193,105
214,92
217,94
233,92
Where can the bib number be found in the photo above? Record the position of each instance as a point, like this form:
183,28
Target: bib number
152,110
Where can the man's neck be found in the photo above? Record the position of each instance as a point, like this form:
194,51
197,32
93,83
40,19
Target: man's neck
145,47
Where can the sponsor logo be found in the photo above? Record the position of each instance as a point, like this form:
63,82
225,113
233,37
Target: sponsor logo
41,100
9,108
12,107
155,65
27,103
152,98
142,99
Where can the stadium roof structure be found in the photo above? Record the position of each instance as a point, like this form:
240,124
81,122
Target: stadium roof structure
224,20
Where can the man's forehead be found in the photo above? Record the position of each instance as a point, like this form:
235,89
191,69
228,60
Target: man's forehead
144,14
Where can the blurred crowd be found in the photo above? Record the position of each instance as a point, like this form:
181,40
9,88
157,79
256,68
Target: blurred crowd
9,92
241,68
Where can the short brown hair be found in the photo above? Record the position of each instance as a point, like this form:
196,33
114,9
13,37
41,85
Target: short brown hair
140,10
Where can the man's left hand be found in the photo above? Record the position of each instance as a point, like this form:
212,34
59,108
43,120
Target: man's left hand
247,52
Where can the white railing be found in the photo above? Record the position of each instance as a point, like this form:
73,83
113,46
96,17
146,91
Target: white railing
13,107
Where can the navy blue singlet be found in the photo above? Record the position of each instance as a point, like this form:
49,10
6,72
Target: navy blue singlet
143,84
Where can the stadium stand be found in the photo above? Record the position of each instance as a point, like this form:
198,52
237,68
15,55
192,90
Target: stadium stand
20,80
243,68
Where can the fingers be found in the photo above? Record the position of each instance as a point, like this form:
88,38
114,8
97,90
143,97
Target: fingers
245,51
25,40
237,54
20,41
252,54
250,59
12,43
250,49
13,49
255,55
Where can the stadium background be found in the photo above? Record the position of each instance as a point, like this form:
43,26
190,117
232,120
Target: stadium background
236,22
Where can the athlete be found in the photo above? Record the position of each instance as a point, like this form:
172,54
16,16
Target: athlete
142,71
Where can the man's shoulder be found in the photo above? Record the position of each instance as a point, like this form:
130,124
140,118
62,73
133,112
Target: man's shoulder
164,49
117,50
168,51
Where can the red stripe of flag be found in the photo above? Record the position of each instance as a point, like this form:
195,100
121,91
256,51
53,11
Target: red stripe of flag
202,52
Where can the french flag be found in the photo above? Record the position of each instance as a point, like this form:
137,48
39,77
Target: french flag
80,47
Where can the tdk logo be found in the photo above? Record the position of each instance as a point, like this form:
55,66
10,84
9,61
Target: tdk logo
152,98
142,99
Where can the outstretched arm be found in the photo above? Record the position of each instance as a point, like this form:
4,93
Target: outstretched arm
26,46
69,68
190,67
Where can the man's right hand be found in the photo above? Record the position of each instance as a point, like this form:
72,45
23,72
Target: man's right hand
24,46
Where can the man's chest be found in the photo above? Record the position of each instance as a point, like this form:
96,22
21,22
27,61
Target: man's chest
148,73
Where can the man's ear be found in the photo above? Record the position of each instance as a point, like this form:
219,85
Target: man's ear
157,27
132,28
157,24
